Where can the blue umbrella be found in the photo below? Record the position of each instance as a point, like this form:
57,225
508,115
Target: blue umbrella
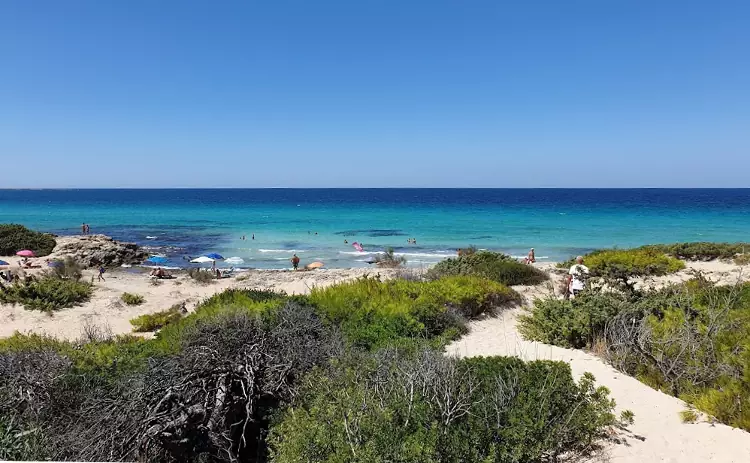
157,260
215,256
2,262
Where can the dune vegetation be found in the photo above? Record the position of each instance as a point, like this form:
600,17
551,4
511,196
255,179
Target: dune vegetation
490,265
255,376
690,340
14,238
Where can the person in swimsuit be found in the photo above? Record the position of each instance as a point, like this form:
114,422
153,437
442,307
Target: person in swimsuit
295,262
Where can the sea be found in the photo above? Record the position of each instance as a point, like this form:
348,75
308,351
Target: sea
265,227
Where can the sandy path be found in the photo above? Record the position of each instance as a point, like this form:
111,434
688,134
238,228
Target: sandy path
657,419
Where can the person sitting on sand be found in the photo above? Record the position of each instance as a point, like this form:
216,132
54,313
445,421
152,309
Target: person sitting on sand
577,277
295,262
531,258
158,272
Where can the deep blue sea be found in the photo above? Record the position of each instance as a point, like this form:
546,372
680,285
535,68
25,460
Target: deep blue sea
314,223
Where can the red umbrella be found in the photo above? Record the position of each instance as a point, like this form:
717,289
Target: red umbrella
25,253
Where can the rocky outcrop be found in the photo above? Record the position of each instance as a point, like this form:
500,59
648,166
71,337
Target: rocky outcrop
93,250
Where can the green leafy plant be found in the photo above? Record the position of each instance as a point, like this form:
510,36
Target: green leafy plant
47,293
132,299
154,321
491,265
14,238
426,407
389,259
372,313
701,251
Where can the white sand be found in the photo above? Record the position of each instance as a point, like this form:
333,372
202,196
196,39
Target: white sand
658,434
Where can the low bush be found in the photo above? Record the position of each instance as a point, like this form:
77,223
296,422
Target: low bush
14,238
389,259
701,251
154,321
690,340
491,265
570,323
47,293
372,313
431,408
211,401
201,276
132,299
742,259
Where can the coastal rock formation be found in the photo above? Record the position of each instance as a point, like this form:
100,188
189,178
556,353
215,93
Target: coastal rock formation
93,250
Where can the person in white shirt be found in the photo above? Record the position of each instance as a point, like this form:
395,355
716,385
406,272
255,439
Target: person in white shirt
577,276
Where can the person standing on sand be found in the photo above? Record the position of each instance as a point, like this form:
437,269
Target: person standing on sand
577,277
295,262
101,273
531,258
83,229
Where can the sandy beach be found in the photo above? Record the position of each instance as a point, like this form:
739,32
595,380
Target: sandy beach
658,434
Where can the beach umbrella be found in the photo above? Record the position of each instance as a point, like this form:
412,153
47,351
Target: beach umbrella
201,260
157,260
314,265
2,262
25,253
215,256
235,260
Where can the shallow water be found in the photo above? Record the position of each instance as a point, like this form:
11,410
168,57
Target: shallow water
314,223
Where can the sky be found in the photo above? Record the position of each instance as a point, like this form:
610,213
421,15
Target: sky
419,93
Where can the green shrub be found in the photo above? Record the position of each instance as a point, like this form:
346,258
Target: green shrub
154,321
570,323
201,276
388,259
701,251
236,367
14,238
372,313
690,340
47,293
491,265
132,299
429,408
742,259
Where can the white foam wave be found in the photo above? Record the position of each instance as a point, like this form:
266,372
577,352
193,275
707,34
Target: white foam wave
150,237
279,250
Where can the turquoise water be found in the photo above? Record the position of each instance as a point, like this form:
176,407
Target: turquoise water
558,223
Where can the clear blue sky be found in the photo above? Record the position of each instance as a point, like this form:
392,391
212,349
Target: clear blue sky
150,93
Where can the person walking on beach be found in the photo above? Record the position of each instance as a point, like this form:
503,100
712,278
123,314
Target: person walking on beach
83,229
101,273
295,262
577,277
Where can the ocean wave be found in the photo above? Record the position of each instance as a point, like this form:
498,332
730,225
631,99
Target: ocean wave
150,237
279,250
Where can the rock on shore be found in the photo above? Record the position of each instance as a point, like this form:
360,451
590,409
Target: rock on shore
93,250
